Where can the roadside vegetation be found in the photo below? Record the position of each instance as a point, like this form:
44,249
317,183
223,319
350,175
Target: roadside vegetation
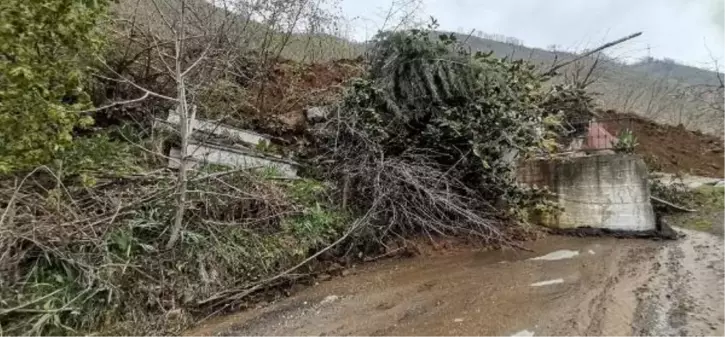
706,203
709,204
45,50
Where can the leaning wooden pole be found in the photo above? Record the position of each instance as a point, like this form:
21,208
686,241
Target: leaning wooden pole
602,47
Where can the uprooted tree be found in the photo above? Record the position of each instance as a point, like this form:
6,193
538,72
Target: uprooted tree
432,134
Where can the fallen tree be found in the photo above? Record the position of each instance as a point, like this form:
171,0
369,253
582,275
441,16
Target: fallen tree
431,136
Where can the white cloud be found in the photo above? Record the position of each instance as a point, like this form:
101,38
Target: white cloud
677,29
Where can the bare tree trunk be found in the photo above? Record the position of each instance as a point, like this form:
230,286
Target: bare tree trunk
183,161
184,131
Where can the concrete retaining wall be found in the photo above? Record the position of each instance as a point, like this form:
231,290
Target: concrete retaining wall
607,191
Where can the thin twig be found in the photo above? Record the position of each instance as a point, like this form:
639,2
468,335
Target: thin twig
6,311
232,295
135,100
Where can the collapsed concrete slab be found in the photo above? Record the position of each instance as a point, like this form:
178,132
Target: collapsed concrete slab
203,149
215,128
233,157
606,191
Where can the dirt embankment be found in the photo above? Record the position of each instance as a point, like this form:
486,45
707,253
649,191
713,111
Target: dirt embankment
291,87
671,149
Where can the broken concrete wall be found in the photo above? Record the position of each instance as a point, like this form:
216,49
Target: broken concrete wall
606,191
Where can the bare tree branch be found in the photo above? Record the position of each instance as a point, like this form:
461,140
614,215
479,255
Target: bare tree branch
123,79
114,104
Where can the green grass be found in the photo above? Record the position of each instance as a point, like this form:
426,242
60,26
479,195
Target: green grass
709,202
700,224
244,229
710,198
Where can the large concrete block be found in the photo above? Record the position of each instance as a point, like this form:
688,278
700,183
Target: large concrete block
606,191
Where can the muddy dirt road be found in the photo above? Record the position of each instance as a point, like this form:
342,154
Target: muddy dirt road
567,286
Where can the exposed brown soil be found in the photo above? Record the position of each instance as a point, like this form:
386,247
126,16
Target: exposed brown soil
671,149
291,87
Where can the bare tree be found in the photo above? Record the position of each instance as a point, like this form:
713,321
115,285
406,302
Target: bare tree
177,48
205,27
177,38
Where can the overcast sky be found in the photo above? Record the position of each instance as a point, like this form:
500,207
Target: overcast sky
677,29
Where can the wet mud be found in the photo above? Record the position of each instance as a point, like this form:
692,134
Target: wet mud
564,286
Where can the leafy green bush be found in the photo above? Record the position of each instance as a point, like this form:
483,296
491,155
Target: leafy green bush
626,142
469,110
45,47
88,157
575,103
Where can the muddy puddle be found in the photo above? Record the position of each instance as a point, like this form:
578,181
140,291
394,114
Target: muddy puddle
565,286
